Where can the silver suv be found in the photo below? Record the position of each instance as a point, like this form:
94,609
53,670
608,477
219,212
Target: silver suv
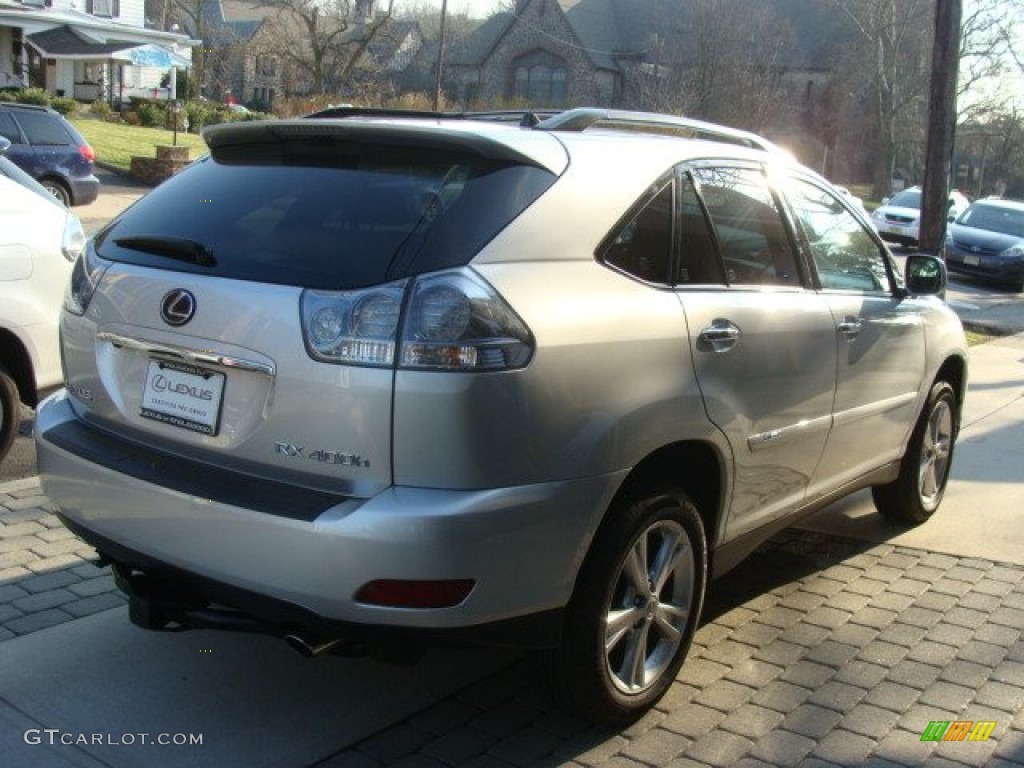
387,381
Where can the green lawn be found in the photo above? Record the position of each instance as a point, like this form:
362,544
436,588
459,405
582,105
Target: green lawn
115,143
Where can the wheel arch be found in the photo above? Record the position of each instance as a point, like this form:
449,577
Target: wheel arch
695,467
59,181
954,371
15,359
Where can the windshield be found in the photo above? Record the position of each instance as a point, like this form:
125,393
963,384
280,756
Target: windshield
908,198
324,217
993,218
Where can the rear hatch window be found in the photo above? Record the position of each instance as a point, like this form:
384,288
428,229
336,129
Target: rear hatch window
327,214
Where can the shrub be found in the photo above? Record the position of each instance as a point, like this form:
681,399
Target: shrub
65,106
100,108
9,95
151,116
37,96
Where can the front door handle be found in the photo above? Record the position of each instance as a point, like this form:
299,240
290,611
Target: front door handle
850,326
720,336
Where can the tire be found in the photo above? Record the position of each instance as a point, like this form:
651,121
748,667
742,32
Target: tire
645,575
58,190
914,496
10,412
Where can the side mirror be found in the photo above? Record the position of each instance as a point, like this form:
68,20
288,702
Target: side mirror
5,144
925,275
885,200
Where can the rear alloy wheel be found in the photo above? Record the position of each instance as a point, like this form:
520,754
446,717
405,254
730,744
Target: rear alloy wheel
58,190
10,412
636,606
915,495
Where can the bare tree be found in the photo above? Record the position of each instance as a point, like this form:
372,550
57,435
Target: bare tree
321,40
990,48
891,56
723,61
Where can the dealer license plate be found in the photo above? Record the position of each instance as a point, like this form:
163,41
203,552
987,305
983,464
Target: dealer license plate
183,395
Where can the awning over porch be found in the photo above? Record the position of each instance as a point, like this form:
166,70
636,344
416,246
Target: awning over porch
66,43
153,56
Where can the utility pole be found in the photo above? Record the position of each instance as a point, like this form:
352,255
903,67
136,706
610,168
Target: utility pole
440,56
941,124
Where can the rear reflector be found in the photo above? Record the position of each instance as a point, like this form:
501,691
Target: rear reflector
396,593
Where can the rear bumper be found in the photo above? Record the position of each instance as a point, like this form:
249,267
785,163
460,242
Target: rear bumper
84,190
522,546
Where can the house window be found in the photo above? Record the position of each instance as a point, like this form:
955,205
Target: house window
266,65
105,8
540,78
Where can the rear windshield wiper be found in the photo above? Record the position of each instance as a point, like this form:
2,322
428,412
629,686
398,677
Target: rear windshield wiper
180,248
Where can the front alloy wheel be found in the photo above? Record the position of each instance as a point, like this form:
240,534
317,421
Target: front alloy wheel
924,472
635,608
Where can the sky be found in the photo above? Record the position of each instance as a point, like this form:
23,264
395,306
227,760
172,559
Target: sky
480,9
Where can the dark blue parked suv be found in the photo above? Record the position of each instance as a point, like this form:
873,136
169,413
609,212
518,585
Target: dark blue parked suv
48,148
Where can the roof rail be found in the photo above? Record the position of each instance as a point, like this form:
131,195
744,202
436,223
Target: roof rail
574,120
581,119
525,118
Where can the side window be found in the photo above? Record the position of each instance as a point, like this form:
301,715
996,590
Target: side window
643,246
845,256
43,129
750,231
698,257
9,129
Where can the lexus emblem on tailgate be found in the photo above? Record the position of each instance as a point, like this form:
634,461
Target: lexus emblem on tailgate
177,307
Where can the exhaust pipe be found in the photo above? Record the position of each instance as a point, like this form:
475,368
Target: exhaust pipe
310,649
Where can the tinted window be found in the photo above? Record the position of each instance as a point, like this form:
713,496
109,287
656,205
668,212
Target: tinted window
753,240
9,129
845,255
642,248
43,129
698,258
329,216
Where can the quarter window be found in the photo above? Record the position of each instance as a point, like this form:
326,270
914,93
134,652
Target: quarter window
643,246
753,240
845,256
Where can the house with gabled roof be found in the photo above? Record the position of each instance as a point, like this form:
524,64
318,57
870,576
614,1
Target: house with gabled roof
86,49
589,52
243,44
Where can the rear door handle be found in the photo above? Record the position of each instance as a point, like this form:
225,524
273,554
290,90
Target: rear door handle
720,336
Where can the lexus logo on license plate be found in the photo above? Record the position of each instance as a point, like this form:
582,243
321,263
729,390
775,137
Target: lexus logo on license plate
177,307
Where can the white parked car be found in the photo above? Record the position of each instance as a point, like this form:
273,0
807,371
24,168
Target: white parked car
898,219
39,242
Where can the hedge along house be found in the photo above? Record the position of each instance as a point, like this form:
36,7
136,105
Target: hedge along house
87,49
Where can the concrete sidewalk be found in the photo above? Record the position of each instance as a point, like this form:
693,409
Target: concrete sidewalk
831,646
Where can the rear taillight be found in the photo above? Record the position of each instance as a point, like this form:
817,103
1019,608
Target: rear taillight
452,321
457,322
87,152
85,277
73,239
353,327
